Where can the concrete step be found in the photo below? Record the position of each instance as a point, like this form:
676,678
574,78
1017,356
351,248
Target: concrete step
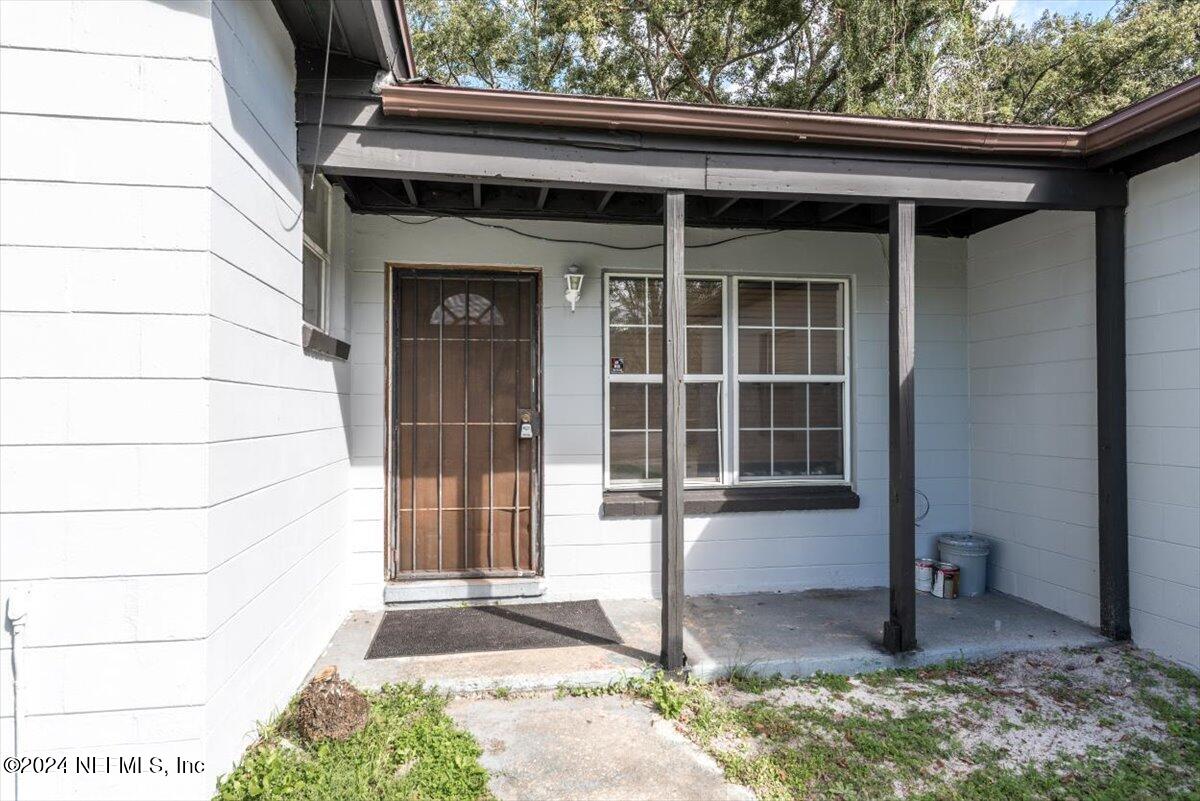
462,589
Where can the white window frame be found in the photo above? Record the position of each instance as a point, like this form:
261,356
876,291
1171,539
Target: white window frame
322,255
728,398
845,379
720,379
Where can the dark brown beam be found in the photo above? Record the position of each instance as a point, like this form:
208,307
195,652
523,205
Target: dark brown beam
359,140
411,191
723,206
837,210
543,193
607,196
1112,478
780,207
477,195
673,435
900,630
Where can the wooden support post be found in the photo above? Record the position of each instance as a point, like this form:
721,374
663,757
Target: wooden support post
1112,482
900,631
673,435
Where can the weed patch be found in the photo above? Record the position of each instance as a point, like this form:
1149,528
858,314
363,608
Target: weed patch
409,749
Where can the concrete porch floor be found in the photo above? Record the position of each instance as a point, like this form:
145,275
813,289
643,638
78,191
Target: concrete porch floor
796,634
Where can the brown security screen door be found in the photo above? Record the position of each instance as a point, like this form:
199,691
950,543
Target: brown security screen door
465,423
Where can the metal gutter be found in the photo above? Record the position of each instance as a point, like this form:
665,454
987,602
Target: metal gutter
615,114
1152,114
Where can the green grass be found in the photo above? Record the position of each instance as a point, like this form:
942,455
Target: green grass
410,749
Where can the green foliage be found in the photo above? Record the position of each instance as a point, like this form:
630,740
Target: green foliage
898,58
748,681
668,695
833,682
410,749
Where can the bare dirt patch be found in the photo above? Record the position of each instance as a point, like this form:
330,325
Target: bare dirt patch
1108,720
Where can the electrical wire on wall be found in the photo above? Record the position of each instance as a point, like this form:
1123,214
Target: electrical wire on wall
434,216
324,87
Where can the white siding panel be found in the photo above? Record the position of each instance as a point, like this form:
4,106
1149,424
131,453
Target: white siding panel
1163,340
1032,407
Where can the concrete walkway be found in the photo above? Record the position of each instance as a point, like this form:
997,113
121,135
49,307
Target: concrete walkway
796,634
608,748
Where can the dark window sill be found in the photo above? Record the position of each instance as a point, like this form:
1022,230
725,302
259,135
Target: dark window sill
317,342
721,500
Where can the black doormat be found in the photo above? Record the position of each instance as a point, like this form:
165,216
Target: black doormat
422,632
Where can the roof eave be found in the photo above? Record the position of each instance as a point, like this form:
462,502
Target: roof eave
615,114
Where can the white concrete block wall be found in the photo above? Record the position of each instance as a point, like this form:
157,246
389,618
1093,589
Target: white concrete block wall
174,467
1031,289
104,300
586,556
1162,272
1031,297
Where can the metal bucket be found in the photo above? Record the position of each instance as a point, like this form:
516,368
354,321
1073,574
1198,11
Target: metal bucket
925,575
945,580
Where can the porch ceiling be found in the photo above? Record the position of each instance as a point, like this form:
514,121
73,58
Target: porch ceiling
375,195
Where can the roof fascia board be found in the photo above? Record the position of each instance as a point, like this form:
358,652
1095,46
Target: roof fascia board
398,153
1180,103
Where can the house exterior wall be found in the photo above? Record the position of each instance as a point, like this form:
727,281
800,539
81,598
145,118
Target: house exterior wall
1031,290
278,454
1031,298
174,467
1162,339
587,556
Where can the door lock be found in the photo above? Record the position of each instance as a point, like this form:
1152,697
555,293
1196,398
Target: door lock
526,427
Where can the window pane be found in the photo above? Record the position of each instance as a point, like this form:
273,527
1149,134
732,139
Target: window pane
655,354
754,408
754,303
316,212
791,303
704,303
754,351
826,299
825,458
827,352
754,454
627,300
791,453
452,311
654,407
702,455
313,267
654,457
704,351
702,406
627,456
626,351
791,352
627,406
825,405
654,301
791,405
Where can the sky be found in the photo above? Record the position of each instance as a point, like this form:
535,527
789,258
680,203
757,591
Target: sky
1026,11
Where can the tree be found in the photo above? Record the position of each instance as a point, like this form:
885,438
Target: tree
907,58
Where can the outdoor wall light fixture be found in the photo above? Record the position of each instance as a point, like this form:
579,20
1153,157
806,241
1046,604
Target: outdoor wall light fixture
574,279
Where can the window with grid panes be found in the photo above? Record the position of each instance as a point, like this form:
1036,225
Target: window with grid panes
786,378
791,379
634,379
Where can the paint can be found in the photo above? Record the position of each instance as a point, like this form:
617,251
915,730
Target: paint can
925,575
945,580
